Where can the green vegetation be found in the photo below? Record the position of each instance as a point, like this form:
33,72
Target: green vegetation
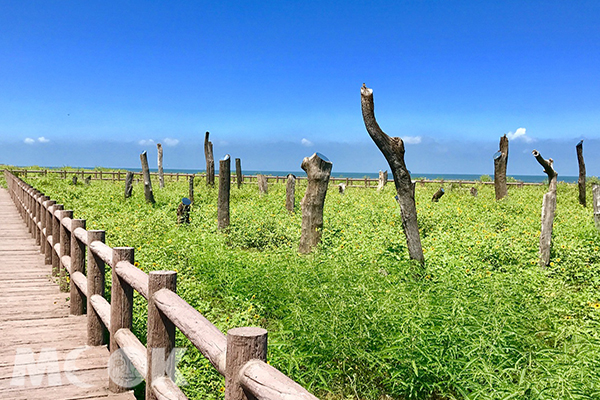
357,318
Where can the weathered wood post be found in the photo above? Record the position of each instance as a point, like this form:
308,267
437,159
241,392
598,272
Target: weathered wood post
161,174
95,288
41,218
239,177
77,265
191,189
581,180
596,199
437,195
46,247
224,190
548,209
500,162
88,180
161,332
55,240
147,182
121,313
290,193
318,170
263,187
65,248
393,150
243,345
383,178
128,184
210,161
74,180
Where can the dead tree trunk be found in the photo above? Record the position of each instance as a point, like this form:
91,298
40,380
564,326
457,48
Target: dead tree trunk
147,182
581,180
290,193
239,177
210,161
596,199
161,176
393,150
128,184
383,178
500,162
191,190
318,170
548,209
263,187
437,195
224,190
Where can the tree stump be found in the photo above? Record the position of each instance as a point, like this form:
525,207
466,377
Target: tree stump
318,171
290,193
500,162
128,184
183,211
147,182
342,188
224,191
383,178
473,191
239,177
74,180
263,186
161,176
393,150
548,209
210,161
437,195
88,180
581,179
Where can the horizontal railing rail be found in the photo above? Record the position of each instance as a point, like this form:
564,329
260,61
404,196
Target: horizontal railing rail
240,355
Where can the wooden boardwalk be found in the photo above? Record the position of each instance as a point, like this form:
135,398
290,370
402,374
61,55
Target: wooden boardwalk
42,348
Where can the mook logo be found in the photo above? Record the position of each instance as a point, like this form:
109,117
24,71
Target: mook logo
30,367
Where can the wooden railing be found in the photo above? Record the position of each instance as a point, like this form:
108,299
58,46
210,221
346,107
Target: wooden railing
240,355
349,182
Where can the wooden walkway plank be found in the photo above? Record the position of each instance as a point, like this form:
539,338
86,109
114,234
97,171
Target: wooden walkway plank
35,325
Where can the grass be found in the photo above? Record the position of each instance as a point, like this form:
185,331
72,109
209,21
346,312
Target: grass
357,318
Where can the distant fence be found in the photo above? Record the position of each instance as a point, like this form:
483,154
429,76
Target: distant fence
240,355
349,182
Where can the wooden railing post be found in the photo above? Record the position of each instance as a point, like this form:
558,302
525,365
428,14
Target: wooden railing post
95,286
55,239
77,265
121,306
243,345
41,219
48,226
65,248
161,332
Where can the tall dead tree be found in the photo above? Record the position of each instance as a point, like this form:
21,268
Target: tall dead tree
383,178
500,162
239,177
210,161
128,184
318,170
147,182
290,193
548,209
581,180
161,176
224,191
393,150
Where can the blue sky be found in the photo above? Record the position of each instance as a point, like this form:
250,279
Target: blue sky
95,83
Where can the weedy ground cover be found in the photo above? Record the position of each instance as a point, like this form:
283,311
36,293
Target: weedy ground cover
357,318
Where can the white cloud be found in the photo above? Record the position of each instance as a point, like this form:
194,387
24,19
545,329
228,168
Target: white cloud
29,140
411,139
42,139
171,142
519,134
146,142
306,142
